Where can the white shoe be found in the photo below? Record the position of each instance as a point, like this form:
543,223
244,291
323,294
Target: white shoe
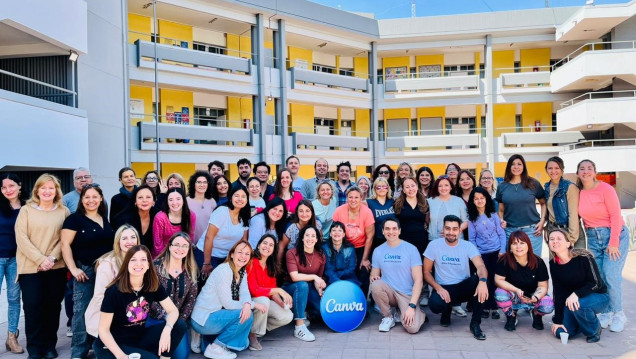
214,351
386,324
605,319
397,317
304,334
307,322
195,341
459,311
618,322
424,301
69,332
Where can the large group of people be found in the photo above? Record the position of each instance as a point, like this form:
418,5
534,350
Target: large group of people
166,268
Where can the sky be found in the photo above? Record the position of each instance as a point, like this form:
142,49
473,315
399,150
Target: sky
384,9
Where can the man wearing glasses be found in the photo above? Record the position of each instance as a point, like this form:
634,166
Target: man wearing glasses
81,177
261,171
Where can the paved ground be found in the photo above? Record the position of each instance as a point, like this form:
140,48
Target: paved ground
432,341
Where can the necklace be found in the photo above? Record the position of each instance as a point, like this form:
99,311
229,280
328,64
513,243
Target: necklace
137,292
312,259
516,186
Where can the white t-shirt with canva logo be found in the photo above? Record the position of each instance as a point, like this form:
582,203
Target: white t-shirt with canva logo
451,263
395,265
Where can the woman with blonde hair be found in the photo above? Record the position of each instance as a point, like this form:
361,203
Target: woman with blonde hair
106,268
325,204
41,269
404,171
381,205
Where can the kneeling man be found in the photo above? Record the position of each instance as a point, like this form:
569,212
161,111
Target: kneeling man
396,279
453,283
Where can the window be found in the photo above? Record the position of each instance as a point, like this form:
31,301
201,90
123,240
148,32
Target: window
459,70
207,116
324,126
323,68
346,72
215,49
518,123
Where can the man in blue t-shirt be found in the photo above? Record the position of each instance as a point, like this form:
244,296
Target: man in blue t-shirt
396,279
453,283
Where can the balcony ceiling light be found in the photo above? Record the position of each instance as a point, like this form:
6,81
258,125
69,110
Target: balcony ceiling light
322,45
145,6
213,20
590,126
73,56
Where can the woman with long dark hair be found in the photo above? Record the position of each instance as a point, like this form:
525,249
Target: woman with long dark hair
272,220
141,215
175,216
303,217
126,308
452,171
340,256
220,189
411,209
522,280
465,185
153,180
11,201
261,280
200,201
387,172
283,189
86,236
517,197
425,179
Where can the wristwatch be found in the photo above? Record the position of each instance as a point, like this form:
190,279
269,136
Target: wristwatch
483,280
412,305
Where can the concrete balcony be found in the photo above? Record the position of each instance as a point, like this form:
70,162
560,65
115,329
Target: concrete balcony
314,87
61,130
594,66
183,68
534,143
434,148
432,89
526,82
311,147
615,155
597,111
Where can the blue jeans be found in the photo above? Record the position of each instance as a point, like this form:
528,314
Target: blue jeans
584,319
537,241
611,270
9,269
306,298
82,295
225,323
183,349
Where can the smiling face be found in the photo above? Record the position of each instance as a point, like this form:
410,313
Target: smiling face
138,264
285,179
344,173
127,240
239,199
466,183
425,179
363,184
586,172
201,185
558,243
82,178
452,172
46,192
222,187
91,200
409,187
144,200
337,235
391,231
174,183
244,171
128,179
554,171
404,171
486,180
325,191
480,201
241,255
261,173
215,171
519,248
10,189
384,172
254,188
175,202
266,248
304,213
444,187
354,199
516,168
179,248
321,168
152,180
381,189
451,232
309,239
293,165
276,213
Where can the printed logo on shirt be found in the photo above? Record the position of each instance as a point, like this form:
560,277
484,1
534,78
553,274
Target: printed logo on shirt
137,311
383,212
448,260
392,258
353,230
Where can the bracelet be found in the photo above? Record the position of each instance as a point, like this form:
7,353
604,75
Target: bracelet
535,297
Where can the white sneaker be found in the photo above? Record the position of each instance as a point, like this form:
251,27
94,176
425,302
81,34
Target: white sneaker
618,322
605,319
214,351
386,324
69,332
424,301
307,322
397,317
195,341
459,311
304,334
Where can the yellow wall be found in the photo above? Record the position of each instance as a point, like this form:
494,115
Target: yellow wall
171,31
239,109
502,59
141,168
138,23
423,60
403,61
535,169
361,171
531,58
184,169
540,111
145,94
177,99
477,63
242,46
504,116
361,67
294,53
301,118
362,124
390,114
270,107
306,171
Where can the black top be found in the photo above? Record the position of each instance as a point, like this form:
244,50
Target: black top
7,234
120,202
91,240
130,312
524,278
131,217
413,223
580,275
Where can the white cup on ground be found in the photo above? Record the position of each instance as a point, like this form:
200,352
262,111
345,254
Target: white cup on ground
564,338
134,356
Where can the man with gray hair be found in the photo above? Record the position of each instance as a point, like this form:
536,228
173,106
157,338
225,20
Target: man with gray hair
81,177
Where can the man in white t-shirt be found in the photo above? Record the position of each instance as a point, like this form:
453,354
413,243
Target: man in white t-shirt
453,283
396,279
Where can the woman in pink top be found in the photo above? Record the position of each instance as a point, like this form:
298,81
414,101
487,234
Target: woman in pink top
283,189
175,216
607,238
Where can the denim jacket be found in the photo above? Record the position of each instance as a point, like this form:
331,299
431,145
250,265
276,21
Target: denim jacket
560,201
340,266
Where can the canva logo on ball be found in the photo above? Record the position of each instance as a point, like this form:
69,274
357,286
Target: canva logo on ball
343,306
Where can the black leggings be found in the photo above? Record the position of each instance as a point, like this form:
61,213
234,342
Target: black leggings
362,273
148,344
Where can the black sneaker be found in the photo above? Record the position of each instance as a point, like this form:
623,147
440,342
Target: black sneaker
596,337
495,314
537,322
445,320
485,314
511,323
476,330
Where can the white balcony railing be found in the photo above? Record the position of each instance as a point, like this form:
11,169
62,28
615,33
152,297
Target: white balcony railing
596,111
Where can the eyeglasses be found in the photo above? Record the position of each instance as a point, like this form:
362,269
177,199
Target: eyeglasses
182,246
201,182
262,172
381,187
86,177
383,172
152,179
487,178
90,185
443,177
451,169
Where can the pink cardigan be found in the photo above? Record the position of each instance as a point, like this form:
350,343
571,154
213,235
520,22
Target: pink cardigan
162,230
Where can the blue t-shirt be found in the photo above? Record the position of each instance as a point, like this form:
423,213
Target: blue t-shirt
381,213
451,263
520,207
395,265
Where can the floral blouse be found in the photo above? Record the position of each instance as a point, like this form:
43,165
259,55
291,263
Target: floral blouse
181,290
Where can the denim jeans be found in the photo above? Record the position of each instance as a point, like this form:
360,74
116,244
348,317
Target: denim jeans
225,323
9,269
82,295
183,349
584,319
306,298
611,270
537,241
509,302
